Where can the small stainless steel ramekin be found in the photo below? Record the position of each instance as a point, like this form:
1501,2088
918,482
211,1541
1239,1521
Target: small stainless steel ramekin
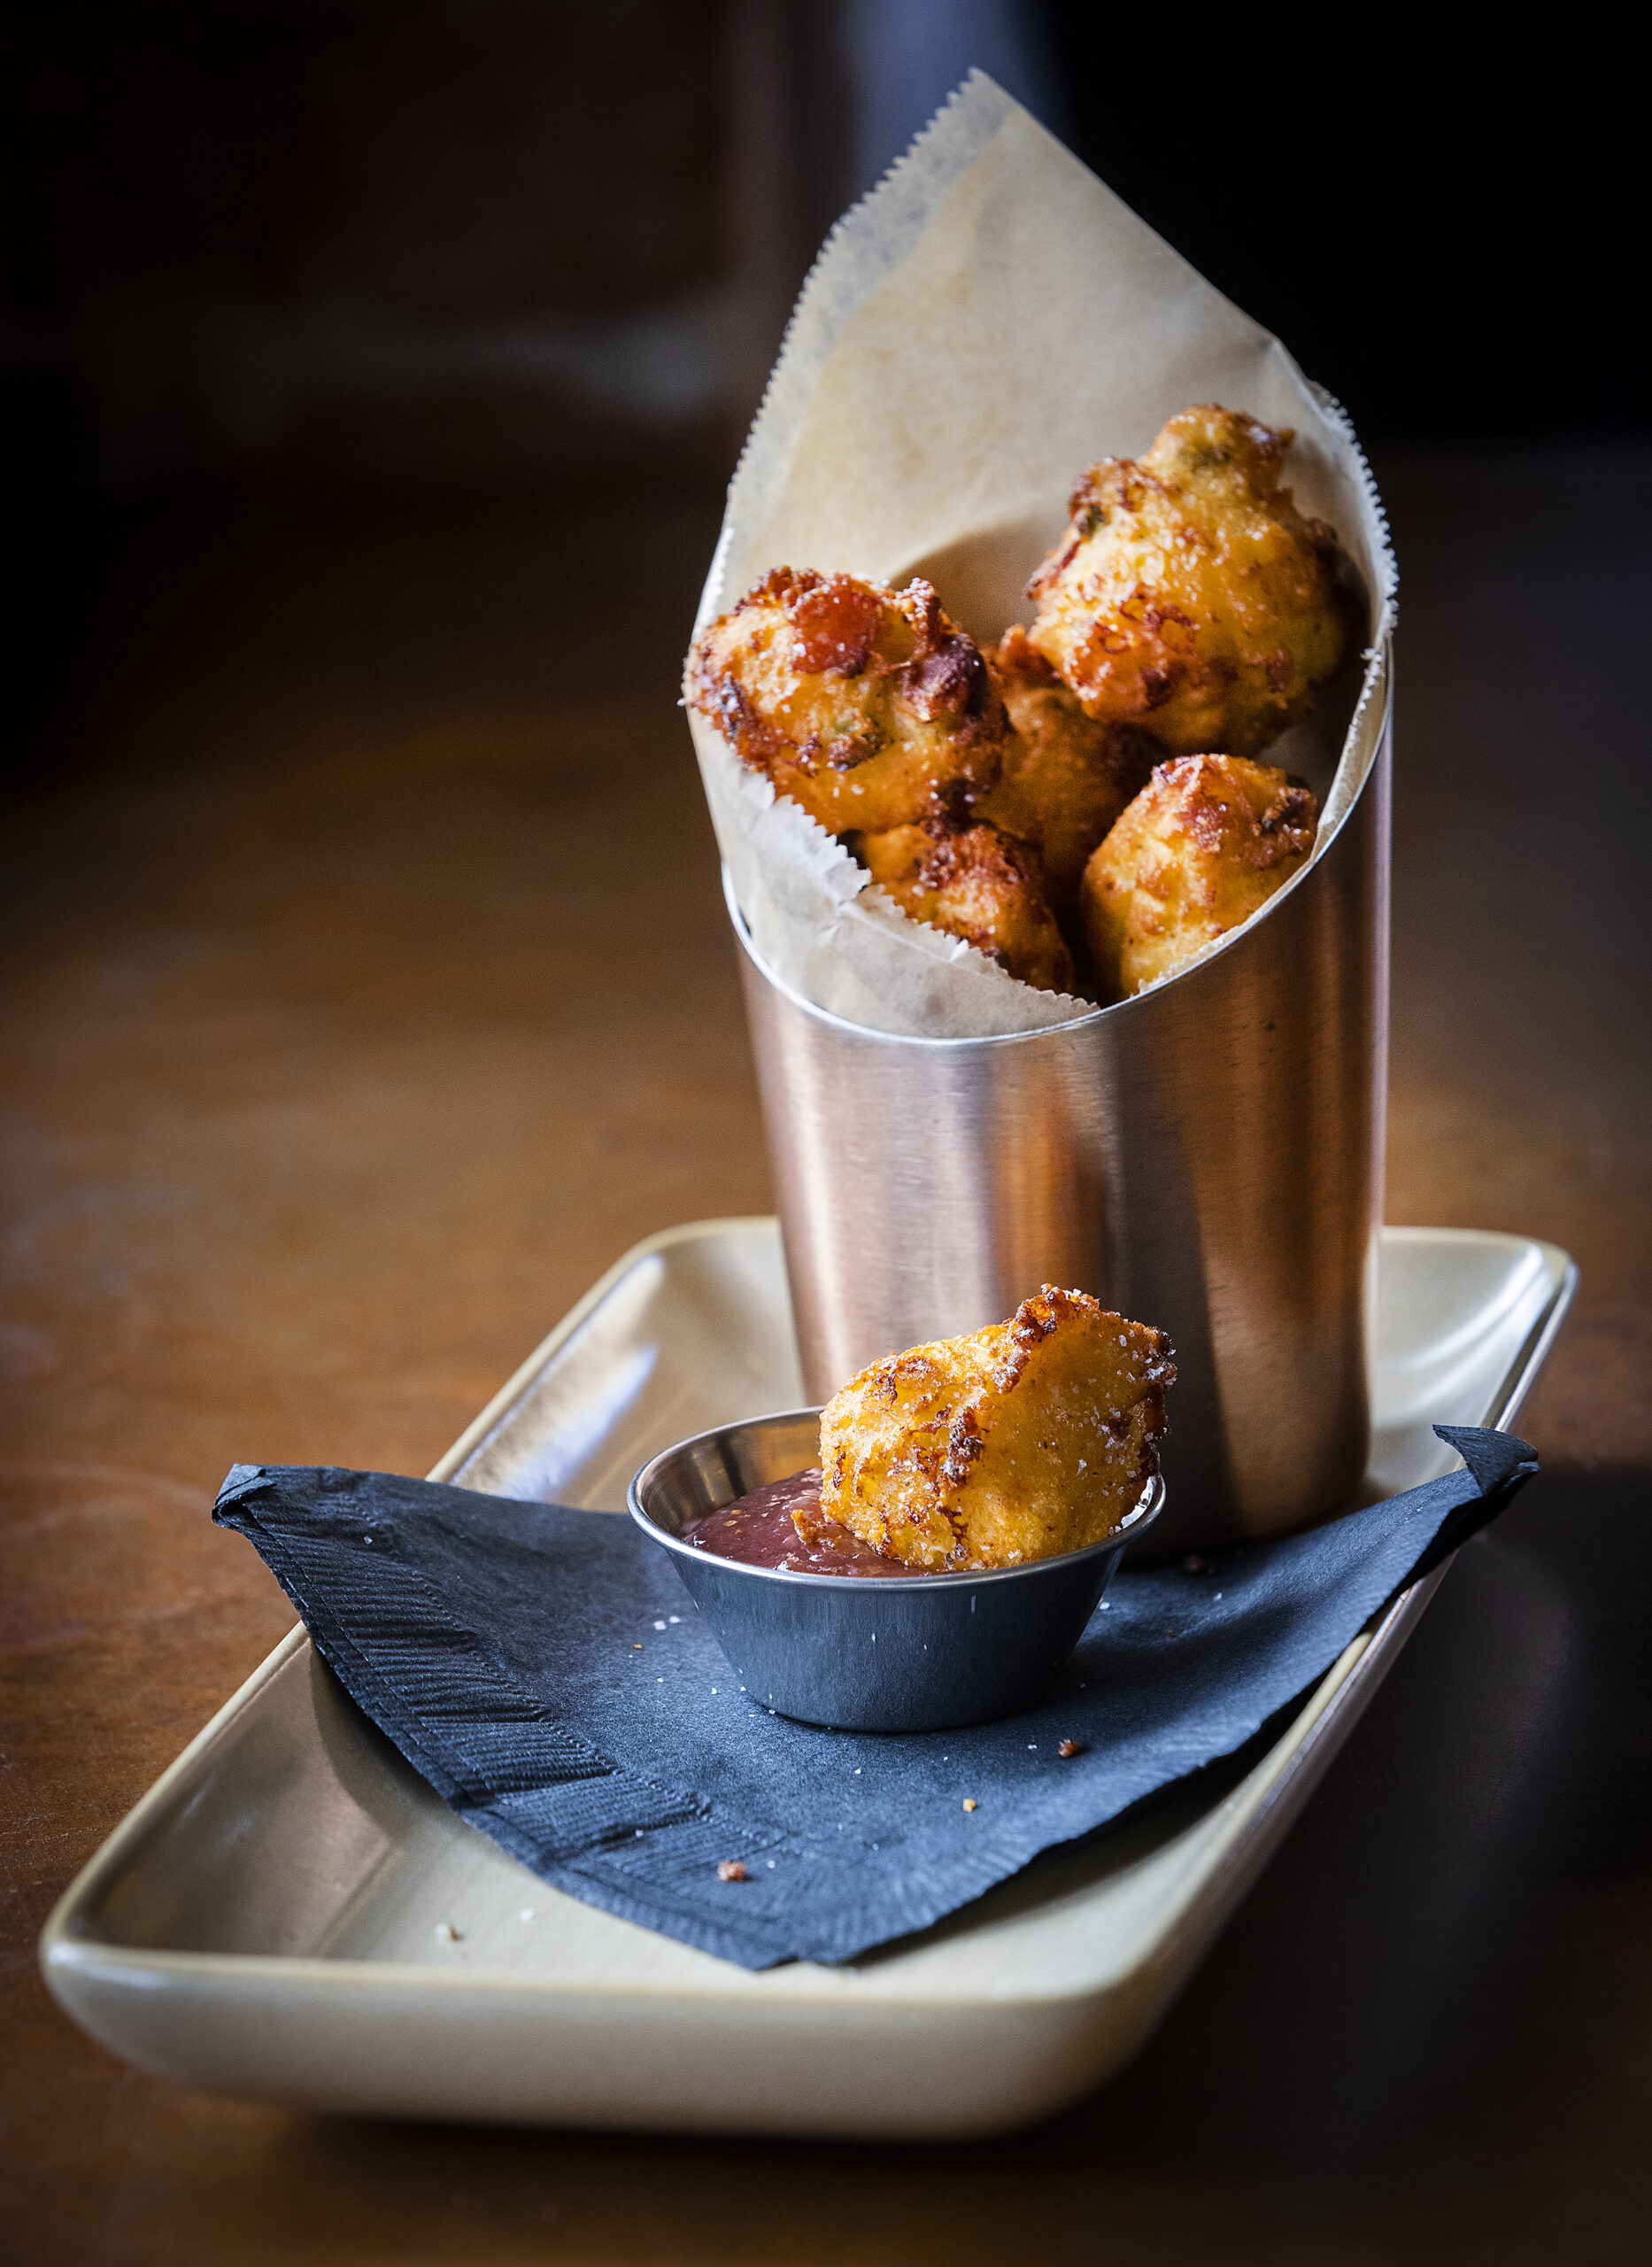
887,1653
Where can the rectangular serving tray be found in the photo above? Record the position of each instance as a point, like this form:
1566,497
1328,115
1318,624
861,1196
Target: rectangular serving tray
291,1916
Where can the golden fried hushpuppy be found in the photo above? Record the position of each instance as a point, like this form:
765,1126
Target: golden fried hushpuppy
1029,1438
1208,839
1189,595
1066,778
975,882
860,702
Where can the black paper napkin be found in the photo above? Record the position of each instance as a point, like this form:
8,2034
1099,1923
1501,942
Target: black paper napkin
547,1674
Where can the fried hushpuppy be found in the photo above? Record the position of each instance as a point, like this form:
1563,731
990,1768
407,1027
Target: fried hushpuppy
1066,777
1029,1438
976,882
1189,595
860,702
1208,839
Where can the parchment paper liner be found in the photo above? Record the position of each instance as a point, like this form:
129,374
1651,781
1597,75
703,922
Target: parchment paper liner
990,320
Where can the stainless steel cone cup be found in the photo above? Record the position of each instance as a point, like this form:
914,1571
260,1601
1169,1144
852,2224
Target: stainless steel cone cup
1206,1157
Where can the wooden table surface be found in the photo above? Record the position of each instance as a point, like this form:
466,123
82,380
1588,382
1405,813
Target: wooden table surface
366,991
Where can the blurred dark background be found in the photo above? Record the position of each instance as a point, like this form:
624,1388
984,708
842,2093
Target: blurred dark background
298,252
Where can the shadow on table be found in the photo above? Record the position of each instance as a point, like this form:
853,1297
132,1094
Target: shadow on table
1431,2006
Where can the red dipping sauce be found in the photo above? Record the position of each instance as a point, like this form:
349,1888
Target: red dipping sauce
758,1530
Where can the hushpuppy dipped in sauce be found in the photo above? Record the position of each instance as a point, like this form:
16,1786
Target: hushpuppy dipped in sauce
1021,1442
1029,1438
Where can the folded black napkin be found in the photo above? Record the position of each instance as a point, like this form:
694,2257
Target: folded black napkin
546,1672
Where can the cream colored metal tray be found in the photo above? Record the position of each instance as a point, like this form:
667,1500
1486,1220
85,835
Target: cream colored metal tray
291,1915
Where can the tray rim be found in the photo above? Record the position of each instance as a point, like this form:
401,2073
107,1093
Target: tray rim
1370,1653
